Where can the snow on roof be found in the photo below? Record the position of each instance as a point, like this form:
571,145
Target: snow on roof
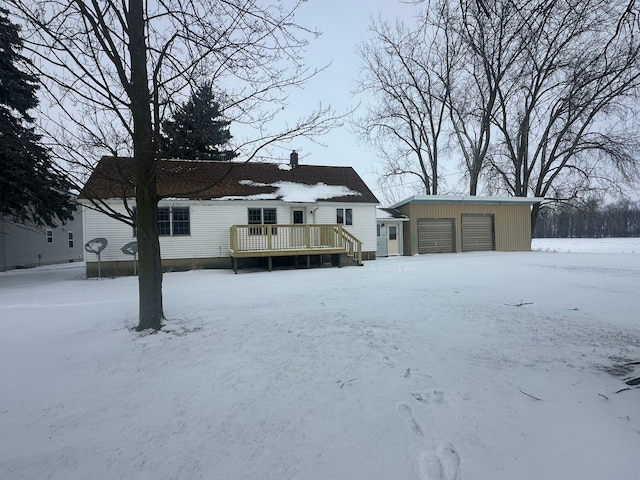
294,192
389,213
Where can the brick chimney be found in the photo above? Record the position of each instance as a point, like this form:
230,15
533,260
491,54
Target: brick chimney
293,159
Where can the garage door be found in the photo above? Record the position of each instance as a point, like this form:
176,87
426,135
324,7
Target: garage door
436,235
477,233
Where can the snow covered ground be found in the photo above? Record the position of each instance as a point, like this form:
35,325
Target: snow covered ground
407,368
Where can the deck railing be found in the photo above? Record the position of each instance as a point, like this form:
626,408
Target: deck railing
262,240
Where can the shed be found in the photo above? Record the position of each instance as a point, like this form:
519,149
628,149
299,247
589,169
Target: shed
390,232
448,224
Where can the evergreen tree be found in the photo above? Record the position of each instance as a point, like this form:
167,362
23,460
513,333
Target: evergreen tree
31,187
197,130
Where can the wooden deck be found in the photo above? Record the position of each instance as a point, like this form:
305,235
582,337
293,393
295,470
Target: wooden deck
254,241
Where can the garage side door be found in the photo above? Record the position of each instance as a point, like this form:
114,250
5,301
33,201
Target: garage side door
436,235
477,233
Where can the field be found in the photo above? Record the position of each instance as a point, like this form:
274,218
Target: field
470,366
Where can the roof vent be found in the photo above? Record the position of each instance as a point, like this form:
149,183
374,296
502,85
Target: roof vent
293,159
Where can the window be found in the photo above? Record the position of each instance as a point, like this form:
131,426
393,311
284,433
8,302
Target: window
298,217
344,216
164,221
393,232
269,216
49,235
265,216
172,221
255,216
70,239
180,219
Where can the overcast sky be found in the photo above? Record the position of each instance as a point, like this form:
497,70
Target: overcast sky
344,25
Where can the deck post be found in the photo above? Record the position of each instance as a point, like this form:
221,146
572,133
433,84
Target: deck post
308,261
270,263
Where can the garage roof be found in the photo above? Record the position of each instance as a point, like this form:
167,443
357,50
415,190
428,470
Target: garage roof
461,199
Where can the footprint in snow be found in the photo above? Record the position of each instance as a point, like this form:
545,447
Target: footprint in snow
441,464
430,466
405,412
388,362
433,396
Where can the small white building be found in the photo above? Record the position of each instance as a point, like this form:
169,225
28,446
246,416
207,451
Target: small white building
390,232
221,214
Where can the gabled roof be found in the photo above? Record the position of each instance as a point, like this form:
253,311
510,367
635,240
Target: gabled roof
459,199
210,180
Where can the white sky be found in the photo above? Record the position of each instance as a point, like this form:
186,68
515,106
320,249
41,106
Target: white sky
344,25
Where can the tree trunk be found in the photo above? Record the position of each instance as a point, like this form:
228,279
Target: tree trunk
149,262
474,177
535,210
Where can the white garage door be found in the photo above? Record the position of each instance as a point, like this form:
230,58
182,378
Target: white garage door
436,235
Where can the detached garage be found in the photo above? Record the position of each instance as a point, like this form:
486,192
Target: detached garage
448,224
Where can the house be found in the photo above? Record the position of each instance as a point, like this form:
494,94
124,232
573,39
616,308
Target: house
25,245
446,224
390,232
231,214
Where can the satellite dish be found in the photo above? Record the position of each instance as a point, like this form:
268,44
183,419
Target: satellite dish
96,245
130,248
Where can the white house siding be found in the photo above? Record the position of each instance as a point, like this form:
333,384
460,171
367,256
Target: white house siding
99,225
210,223
364,221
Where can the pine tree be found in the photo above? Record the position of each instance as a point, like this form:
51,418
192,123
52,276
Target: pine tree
32,189
197,130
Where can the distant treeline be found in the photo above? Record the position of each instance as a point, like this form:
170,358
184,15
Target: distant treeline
589,219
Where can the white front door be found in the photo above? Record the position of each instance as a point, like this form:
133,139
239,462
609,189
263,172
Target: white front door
393,245
381,249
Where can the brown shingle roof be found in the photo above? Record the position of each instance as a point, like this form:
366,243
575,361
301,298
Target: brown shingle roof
204,180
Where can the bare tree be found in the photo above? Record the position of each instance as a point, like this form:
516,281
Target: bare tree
434,82
407,73
113,70
491,39
540,96
565,114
